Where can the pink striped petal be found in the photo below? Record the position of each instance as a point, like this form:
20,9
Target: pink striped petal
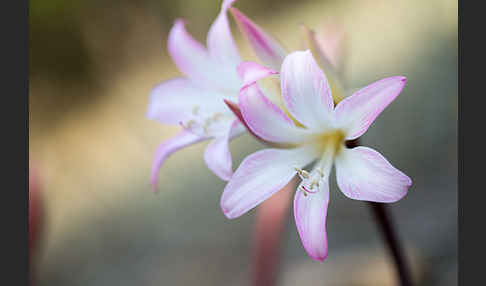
364,174
218,155
266,120
222,47
310,213
305,90
189,55
251,72
173,101
355,113
181,140
260,175
267,49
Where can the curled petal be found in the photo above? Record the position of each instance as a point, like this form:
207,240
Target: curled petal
267,49
237,112
305,91
217,154
181,140
364,174
251,72
310,213
355,113
260,175
266,120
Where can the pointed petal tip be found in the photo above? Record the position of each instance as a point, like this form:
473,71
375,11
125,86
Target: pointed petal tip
154,183
226,211
236,13
318,258
179,23
227,4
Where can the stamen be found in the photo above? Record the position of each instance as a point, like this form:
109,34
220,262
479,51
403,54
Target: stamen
310,182
206,124
303,174
195,110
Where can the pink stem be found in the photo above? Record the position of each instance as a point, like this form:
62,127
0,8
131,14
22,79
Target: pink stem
270,223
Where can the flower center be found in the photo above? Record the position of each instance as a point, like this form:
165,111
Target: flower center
331,142
207,123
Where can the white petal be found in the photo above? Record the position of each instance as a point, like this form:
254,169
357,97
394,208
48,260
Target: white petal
260,175
223,50
355,113
218,155
305,91
267,120
251,72
174,101
310,213
364,174
189,55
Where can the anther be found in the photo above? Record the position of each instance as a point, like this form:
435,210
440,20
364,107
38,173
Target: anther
195,109
303,174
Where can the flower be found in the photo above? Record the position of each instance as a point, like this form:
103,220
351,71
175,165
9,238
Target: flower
312,128
196,100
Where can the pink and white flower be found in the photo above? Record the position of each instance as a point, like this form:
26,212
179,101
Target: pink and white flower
195,101
312,129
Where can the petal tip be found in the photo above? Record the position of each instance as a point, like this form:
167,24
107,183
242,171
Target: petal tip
319,258
226,211
154,183
236,14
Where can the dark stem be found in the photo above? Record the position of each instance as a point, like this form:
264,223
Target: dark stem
389,234
385,222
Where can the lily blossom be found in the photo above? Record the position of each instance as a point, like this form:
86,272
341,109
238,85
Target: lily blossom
314,129
196,101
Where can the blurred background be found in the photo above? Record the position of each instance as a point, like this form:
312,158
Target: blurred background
92,66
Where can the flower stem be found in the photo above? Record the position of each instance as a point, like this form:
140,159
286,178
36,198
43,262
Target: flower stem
389,234
269,227
385,222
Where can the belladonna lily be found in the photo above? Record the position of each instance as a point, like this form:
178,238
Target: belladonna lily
196,100
312,129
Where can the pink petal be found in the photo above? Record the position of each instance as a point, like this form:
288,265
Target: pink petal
181,140
364,174
355,113
251,72
222,47
218,155
267,49
310,217
260,175
173,101
189,55
331,41
266,120
305,90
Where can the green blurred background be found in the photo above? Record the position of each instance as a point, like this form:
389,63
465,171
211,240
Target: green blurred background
92,66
